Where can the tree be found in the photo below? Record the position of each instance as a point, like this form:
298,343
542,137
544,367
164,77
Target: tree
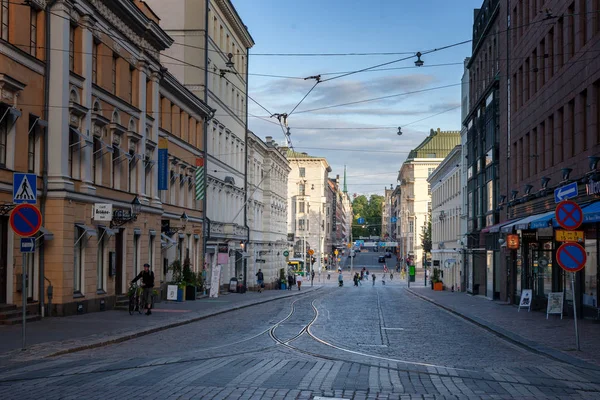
370,210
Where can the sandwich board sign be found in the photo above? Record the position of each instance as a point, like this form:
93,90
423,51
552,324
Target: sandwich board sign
555,304
525,300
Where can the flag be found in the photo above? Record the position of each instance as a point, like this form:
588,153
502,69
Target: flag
199,178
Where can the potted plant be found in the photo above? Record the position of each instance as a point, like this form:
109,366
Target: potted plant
199,283
177,279
436,282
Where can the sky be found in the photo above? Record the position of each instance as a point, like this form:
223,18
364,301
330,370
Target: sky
362,136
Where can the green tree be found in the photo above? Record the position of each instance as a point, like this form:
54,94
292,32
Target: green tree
426,238
370,210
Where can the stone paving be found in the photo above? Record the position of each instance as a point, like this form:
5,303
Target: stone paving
365,343
551,336
58,335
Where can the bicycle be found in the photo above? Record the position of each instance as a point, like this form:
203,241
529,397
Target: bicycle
135,299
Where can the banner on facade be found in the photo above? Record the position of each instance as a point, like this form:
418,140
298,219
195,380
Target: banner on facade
215,279
163,164
525,300
555,304
199,178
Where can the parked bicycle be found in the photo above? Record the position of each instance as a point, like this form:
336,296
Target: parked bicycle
135,299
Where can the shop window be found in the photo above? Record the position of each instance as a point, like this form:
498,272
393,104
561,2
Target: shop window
590,294
100,263
78,260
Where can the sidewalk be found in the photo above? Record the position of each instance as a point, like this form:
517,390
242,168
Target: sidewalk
553,337
60,335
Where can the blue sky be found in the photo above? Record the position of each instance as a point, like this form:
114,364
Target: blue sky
373,155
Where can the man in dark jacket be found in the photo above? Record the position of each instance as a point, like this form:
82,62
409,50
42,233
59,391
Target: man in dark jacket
147,278
260,278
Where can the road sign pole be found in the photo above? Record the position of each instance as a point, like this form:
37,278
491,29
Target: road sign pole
24,296
575,310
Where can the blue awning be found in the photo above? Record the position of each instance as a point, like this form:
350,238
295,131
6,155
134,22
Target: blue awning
591,213
543,221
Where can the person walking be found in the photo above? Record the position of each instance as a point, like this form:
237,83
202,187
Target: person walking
291,281
260,278
299,281
383,279
147,278
373,276
340,279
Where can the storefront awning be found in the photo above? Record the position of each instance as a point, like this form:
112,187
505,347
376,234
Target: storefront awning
496,228
46,234
107,231
591,213
137,231
167,239
152,232
88,230
196,236
542,221
520,224
524,223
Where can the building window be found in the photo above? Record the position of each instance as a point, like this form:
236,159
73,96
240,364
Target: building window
301,224
302,171
114,74
78,260
430,171
301,207
3,138
301,190
33,32
132,172
72,48
95,62
73,144
96,155
115,168
4,18
100,263
31,153
411,226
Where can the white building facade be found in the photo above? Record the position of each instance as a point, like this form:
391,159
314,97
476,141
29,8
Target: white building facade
415,192
267,186
217,40
465,107
446,209
307,200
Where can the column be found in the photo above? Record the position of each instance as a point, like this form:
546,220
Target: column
87,23
58,117
142,67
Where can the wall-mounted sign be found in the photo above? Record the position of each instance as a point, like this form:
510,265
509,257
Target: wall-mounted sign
593,187
163,164
223,248
512,241
102,212
569,236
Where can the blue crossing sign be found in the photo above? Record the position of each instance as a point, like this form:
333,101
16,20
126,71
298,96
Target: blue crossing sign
27,245
394,219
571,257
24,188
361,220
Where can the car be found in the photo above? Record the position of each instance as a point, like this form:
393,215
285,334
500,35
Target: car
381,259
388,254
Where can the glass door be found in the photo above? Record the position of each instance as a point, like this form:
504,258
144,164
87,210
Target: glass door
541,272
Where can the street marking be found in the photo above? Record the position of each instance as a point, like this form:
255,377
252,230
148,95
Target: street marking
394,329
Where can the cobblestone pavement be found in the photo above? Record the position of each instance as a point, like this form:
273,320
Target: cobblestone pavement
360,343
552,336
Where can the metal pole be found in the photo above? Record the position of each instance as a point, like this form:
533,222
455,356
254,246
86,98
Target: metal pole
24,297
575,310
351,250
319,249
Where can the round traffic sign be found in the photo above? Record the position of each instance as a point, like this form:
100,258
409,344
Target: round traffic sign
569,215
571,257
286,253
25,220
311,252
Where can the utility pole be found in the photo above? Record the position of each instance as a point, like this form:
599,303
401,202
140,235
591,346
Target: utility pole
319,252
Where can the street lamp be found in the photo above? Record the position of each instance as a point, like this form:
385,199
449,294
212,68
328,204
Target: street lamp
121,217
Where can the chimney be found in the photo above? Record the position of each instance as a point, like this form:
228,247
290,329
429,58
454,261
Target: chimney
268,139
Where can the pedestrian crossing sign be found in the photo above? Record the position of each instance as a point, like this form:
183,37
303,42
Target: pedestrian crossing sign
24,188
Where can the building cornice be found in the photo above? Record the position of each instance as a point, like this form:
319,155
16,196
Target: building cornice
235,22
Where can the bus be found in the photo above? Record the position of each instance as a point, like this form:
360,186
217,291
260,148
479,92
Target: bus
296,265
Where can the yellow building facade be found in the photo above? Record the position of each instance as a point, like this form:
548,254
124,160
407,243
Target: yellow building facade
90,121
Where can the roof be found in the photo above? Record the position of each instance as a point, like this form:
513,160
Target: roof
437,145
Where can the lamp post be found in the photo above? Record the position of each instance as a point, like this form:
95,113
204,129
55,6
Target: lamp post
244,258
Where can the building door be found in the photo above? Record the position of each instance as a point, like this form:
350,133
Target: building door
540,272
119,262
3,258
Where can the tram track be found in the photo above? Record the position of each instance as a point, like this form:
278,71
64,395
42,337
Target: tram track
306,330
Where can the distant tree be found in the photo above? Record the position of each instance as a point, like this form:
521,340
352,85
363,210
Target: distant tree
370,210
426,237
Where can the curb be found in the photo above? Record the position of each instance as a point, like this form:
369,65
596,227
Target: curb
138,334
513,337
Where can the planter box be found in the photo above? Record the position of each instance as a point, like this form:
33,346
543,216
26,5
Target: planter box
283,286
180,294
190,292
438,286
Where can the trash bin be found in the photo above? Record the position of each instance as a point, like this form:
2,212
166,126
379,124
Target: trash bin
233,282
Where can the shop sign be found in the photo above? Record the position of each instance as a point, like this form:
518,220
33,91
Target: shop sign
512,241
593,188
528,236
570,236
223,248
102,212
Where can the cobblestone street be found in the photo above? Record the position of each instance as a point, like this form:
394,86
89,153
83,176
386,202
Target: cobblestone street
351,342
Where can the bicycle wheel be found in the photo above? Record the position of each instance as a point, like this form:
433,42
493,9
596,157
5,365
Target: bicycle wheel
131,304
140,304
